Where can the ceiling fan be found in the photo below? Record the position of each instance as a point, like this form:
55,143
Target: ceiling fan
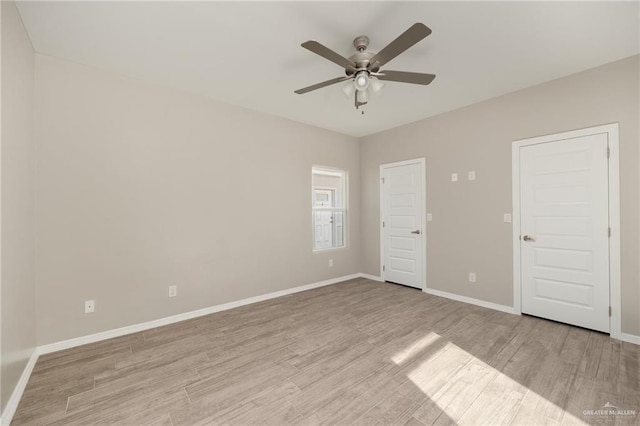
363,67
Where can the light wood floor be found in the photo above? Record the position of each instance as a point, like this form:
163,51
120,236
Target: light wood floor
358,352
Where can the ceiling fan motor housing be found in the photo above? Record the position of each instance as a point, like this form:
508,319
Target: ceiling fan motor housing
362,57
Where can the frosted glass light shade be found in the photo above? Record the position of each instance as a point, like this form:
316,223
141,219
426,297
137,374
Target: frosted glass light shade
375,85
349,89
362,96
362,80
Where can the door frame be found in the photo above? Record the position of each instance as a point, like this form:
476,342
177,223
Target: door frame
423,179
612,132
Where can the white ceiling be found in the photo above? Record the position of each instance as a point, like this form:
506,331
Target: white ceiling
249,54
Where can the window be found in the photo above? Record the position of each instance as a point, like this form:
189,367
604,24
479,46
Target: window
329,207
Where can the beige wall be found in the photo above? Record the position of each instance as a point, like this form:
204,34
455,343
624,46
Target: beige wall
141,187
468,232
18,201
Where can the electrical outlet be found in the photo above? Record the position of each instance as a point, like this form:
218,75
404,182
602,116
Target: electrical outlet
173,290
89,306
330,263
454,177
507,217
429,217
471,175
472,277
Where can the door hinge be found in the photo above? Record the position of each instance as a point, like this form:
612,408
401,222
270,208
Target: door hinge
608,153
609,310
383,223
382,179
609,232
383,267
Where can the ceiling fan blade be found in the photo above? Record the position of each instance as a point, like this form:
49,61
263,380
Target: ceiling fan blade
320,85
407,39
329,54
406,77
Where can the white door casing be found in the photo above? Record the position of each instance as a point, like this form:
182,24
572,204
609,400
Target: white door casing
566,267
403,238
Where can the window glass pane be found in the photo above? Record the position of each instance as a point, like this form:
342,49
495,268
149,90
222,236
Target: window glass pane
338,229
330,180
328,229
328,204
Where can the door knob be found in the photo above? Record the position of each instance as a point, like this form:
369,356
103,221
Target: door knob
417,231
528,238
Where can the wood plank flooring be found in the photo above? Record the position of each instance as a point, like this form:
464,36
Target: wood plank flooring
359,352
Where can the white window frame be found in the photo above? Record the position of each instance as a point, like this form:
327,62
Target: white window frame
331,171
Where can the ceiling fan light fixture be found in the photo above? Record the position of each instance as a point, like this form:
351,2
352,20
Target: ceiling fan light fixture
364,67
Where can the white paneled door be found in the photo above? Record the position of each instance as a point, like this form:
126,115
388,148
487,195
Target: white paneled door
402,196
564,224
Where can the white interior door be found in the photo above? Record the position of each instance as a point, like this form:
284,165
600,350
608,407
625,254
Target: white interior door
402,215
564,224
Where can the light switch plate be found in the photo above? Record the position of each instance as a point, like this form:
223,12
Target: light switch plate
471,175
454,177
507,217
429,217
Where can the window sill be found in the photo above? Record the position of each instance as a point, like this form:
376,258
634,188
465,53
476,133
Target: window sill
319,251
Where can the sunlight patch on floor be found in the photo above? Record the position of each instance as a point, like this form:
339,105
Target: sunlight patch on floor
414,349
469,391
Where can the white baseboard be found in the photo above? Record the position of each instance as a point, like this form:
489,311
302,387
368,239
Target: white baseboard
625,337
370,277
14,400
629,338
109,334
465,299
